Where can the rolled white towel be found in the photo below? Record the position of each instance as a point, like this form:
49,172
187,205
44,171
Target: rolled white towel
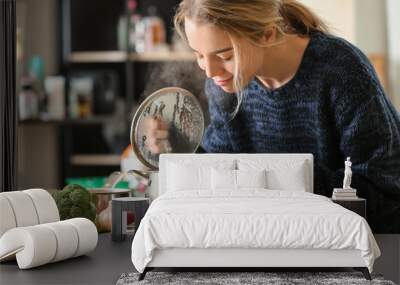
87,235
26,208
23,208
33,246
45,205
41,244
7,218
66,238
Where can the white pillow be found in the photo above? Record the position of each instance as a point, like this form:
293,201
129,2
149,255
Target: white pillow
251,178
193,175
289,175
223,179
181,177
226,179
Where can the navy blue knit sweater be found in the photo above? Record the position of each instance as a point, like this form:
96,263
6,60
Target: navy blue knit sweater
334,107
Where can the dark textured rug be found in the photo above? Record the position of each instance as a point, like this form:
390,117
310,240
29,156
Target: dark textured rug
243,278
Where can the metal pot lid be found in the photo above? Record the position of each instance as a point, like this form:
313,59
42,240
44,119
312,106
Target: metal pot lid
182,113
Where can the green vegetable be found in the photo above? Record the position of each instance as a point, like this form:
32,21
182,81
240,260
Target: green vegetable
75,201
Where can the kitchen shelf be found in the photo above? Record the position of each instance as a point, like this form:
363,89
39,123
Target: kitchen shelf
121,56
95,159
78,121
97,56
162,56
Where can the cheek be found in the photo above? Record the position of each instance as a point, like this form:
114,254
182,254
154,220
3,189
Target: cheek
227,67
230,67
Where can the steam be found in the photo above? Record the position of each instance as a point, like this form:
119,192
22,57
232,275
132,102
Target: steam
183,74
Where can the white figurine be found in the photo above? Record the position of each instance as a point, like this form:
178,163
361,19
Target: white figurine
347,174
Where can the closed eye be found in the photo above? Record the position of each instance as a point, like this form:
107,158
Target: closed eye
227,58
226,55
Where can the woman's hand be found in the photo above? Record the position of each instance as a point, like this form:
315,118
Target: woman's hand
156,135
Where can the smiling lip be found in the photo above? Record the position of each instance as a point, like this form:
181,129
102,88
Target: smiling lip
223,82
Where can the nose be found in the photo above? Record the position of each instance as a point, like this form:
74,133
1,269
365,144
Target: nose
213,68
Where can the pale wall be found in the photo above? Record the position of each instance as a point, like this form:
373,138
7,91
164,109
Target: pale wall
338,14
370,26
365,23
393,20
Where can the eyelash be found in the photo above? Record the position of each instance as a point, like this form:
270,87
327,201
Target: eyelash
226,59
199,57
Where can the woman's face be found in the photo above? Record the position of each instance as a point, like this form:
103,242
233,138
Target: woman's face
214,51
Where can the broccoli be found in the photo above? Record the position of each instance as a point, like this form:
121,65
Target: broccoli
75,201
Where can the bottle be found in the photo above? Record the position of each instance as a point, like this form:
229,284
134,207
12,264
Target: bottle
36,72
55,93
140,35
155,31
126,30
122,33
28,100
134,18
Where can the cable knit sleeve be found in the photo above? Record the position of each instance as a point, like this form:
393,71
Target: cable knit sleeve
369,130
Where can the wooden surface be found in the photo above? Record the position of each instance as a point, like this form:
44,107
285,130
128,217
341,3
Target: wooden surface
121,56
108,191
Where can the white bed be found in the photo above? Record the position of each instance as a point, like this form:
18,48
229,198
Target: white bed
193,223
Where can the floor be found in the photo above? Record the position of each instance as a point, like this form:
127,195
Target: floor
102,266
111,259
388,264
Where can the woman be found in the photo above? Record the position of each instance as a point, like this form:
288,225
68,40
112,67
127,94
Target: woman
280,83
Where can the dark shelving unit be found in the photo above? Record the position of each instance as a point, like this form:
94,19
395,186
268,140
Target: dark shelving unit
88,42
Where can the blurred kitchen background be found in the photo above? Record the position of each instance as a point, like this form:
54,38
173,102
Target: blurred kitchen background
84,66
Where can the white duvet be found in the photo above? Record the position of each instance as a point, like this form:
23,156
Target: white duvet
252,218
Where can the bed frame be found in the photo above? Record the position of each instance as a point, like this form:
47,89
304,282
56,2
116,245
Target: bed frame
246,259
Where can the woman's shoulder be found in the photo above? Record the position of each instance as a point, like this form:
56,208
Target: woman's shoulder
337,49
339,53
352,79
335,45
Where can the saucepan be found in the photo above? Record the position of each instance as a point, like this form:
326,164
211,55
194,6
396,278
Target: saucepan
182,113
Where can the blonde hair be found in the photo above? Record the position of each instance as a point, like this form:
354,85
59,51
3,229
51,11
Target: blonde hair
249,19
